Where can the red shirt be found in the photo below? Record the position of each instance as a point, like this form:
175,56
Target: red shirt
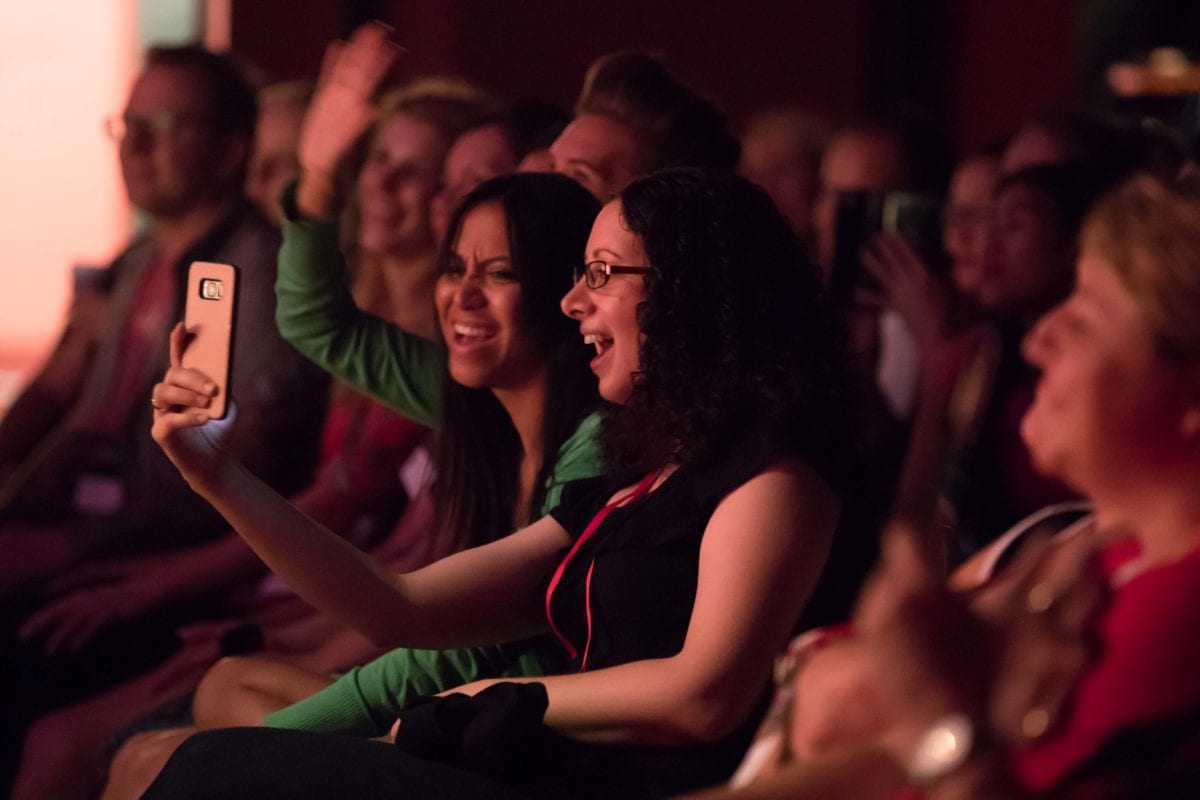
1148,667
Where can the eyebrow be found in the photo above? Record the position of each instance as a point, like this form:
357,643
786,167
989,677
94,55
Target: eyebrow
581,162
485,262
1095,302
598,251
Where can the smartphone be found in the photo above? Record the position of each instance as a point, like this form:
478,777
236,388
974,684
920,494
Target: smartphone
861,216
209,315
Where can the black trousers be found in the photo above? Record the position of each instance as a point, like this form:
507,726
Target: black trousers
268,763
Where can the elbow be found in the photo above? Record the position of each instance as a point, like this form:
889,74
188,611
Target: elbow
707,717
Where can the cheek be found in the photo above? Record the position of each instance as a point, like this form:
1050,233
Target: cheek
443,297
365,185
506,308
631,339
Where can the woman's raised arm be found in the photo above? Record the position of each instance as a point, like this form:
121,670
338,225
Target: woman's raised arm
340,111
481,596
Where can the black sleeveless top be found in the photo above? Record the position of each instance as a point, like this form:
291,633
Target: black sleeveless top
643,561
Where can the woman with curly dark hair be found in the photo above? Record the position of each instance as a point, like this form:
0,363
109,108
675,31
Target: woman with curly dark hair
670,585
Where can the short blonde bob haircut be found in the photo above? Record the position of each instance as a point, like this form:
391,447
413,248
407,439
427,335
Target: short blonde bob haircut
1149,234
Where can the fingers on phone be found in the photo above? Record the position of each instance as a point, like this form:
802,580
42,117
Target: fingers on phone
184,388
181,337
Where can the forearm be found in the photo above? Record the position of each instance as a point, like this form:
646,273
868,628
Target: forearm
33,415
218,564
316,195
318,564
483,595
317,314
651,702
922,475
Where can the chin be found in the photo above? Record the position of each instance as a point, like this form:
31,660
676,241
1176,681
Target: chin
469,378
618,395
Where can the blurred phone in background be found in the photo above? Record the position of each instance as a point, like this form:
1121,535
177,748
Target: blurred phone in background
209,315
862,216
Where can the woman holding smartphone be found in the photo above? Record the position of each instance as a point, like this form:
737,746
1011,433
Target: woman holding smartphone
671,586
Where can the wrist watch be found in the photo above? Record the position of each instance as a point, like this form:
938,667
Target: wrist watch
942,748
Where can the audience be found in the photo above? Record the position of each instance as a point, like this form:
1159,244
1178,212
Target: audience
1028,269
357,491
512,407
967,219
620,642
877,157
634,116
781,152
498,145
473,474
273,164
729,522
1079,654
84,481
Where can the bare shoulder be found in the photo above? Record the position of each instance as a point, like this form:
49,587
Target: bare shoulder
785,488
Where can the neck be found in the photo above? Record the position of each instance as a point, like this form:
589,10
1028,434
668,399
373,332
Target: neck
526,407
409,282
173,235
1165,520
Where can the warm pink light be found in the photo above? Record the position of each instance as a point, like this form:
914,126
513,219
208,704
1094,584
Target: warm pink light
64,66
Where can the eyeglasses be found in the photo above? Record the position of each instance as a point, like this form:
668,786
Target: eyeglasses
597,273
162,124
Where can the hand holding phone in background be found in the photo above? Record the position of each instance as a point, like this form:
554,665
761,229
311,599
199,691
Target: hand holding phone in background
888,255
906,284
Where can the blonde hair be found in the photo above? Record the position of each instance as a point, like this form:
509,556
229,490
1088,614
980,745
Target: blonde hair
449,106
674,125
1149,233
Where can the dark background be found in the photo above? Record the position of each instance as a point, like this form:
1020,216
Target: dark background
975,67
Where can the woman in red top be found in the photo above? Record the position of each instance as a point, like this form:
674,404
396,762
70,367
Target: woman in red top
1047,696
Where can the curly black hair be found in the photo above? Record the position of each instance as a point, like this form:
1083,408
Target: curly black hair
736,330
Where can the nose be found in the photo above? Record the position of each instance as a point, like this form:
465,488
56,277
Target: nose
577,300
390,179
1041,342
470,293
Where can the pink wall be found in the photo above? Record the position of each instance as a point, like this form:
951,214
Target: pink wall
62,202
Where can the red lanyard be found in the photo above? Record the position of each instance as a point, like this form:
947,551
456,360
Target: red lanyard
633,494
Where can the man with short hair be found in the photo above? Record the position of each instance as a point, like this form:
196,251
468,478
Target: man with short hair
80,477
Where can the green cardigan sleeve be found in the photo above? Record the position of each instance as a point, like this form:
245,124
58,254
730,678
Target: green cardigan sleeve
316,313
367,699
578,458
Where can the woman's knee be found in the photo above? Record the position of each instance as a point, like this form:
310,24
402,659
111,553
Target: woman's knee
220,695
139,760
